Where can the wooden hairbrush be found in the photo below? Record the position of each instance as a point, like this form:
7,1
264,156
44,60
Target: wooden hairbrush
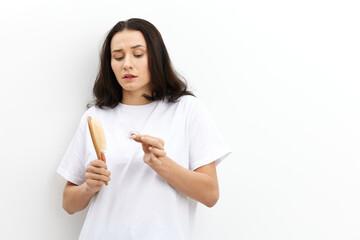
97,136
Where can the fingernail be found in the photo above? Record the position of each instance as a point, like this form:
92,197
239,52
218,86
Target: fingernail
150,148
142,138
133,136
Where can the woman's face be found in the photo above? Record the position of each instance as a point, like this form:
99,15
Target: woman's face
129,61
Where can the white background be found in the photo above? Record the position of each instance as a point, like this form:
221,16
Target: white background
280,78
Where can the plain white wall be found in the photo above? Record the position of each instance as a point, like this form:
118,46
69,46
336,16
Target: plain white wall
280,78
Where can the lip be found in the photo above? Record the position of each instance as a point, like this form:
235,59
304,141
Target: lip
129,77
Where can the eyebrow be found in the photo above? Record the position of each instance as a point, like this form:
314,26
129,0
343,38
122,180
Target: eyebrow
136,46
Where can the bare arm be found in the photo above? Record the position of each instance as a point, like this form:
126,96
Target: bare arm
77,197
201,184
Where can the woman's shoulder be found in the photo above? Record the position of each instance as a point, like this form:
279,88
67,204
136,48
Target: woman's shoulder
188,100
93,111
89,111
97,110
187,104
191,102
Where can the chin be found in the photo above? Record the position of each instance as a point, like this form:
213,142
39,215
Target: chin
132,86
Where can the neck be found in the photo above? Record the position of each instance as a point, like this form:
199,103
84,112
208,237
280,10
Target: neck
130,98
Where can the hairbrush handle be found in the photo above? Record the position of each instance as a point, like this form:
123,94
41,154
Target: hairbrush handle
95,143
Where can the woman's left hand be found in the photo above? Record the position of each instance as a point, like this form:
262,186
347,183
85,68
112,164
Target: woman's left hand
200,184
153,148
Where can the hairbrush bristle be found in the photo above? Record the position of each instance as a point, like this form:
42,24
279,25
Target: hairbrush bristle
99,134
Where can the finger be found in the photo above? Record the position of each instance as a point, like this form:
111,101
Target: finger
139,138
94,176
94,183
145,147
147,158
157,152
103,156
101,171
98,163
142,138
151,159
136,137
154,142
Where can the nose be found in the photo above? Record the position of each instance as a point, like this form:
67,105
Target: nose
127,63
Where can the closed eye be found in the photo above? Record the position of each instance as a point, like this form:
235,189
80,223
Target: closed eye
136,55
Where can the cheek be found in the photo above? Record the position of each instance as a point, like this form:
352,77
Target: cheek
145,68
115,66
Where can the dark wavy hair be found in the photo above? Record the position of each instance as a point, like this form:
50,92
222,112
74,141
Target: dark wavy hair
166,82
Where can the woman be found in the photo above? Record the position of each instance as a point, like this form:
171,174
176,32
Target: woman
161,146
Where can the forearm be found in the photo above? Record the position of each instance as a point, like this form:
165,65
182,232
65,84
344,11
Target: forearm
200,184
197,185
76,197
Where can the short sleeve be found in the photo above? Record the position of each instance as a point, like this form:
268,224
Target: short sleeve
73,164
206,143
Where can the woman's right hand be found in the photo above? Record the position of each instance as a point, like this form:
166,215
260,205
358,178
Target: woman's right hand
97,174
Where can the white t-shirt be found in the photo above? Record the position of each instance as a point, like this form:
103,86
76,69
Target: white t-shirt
138,203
